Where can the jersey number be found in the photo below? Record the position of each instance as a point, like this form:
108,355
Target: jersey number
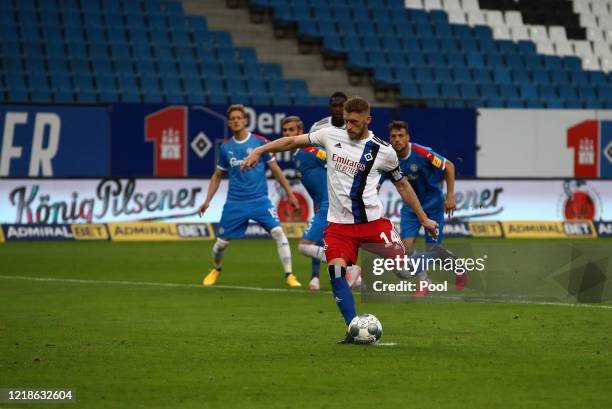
395,238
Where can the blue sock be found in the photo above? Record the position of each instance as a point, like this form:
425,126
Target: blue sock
316,266
342,292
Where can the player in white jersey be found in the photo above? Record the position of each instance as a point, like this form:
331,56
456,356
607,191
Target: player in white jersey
356,159
336,107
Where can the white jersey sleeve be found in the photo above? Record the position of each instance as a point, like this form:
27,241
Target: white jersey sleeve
319,138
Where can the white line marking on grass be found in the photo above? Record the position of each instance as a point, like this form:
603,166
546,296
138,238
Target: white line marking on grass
385,344
154,284
267,289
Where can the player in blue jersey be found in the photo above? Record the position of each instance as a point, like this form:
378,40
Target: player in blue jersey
425,170
247,197
311,164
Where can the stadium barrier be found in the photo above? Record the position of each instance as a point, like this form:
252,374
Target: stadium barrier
135,140
126,209
169,231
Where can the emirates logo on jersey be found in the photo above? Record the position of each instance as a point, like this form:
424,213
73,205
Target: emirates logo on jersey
348,166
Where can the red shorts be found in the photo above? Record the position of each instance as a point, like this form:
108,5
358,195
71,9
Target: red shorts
379,237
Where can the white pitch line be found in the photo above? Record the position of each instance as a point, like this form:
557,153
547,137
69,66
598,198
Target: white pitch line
385,344
262,289
154,284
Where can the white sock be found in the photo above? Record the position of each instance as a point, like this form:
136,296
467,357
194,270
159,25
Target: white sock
218,251
422,276
282,245
312,250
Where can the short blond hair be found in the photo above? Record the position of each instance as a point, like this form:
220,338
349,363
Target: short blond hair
236,107
357,104
293,118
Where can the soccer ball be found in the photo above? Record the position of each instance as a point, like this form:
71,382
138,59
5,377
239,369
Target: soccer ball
365,329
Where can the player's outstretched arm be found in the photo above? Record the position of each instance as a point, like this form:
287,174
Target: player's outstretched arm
278,175
280,145
215,181
449,202
409,196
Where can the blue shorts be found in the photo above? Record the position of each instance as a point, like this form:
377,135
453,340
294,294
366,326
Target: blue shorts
316,226
236,215
410,226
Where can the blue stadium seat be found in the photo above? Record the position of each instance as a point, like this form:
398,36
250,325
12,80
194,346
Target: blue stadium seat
404,73
163,52
540,76
449,90
123,67
443,74
535,103
514,103
218,99
462,74
429,89
40,95
552,62
520,75
87,97
508,91
435,59
567,92
61,82
553,103
502,76
587,92
171,84
134,20
489,92
58,65
35,65
159,37
114,21
475,60
482,75
469,91
281,99
214,86
423,74
55,49
130,96
560,77
193,85
149,82
97,50
142,52
63,96
109,96
127,84
83,83
117,36
180,37
120,51
197,98
152,97
548,92
105,83
156,20
409,90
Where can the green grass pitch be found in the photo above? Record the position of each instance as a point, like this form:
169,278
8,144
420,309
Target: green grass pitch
183,346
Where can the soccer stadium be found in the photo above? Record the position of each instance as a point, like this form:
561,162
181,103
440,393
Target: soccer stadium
305,204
